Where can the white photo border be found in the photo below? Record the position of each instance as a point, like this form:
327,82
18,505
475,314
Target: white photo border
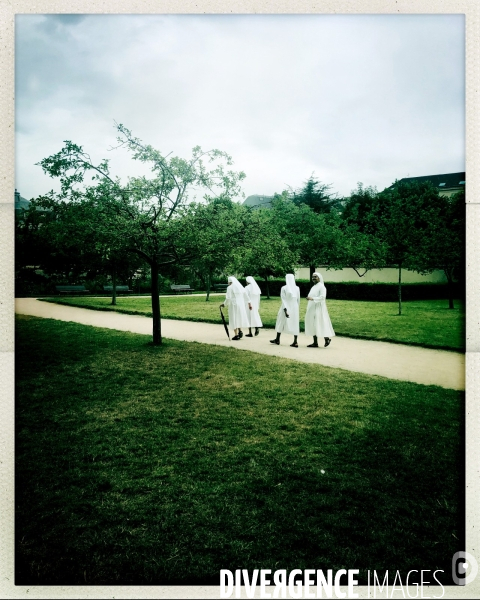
8,10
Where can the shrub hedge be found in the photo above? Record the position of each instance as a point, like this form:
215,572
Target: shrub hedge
29,283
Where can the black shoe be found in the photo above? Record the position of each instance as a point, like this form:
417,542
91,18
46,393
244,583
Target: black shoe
257,331
240,335
294,345
312,346
275,342
248,335
327,342
236,338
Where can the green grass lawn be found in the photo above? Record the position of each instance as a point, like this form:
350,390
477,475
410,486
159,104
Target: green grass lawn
428,323
138,464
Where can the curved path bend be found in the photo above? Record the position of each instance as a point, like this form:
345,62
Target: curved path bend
395,361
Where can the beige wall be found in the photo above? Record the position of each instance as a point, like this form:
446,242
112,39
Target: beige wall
451,191
373,276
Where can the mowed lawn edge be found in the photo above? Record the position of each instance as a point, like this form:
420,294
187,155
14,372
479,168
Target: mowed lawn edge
138,464
424,323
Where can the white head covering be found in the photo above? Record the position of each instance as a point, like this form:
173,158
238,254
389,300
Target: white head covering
291,287
237,287
255,288
319,276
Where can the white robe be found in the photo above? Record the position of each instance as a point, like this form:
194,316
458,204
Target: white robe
317,319
292,324
235,303
253,314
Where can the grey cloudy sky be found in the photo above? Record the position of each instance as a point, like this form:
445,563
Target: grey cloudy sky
350,98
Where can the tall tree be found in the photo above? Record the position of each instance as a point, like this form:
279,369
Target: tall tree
67,245
264,252
31,248
444,245
361,248
403,217
314,237
212,234
358,206
316,195
140,215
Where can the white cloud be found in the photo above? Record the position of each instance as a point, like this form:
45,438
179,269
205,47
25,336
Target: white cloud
353,98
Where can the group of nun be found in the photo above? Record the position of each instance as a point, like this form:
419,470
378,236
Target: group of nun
243,305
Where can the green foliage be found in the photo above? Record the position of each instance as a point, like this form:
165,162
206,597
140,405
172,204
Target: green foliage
31,247
212,234
265,252
314,238
357,208
361,248
224,237
69,245
96,223
316,195
402,217
29,283
140,216
444,246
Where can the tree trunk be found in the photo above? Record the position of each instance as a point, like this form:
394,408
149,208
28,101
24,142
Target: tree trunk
449,274
157,332
312,271
207,286
268,290
114,287
399,288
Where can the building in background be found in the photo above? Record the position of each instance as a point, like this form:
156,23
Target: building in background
257,201
447,184
20,203
387,275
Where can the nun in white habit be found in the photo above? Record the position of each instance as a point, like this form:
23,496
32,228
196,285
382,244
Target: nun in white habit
288,317
235,302
317,319
253,293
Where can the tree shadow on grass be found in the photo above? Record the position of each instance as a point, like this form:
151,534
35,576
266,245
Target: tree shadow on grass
110,492
258,510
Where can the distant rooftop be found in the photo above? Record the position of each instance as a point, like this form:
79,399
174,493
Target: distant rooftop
447,181
21,202
258,201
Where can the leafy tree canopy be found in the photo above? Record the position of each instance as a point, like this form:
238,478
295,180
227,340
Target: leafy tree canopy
138,216
316,195
358,207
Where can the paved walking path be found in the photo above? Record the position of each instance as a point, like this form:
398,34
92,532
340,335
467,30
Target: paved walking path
395,361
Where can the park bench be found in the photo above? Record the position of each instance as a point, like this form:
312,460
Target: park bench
71,289
181,289
219,287
118,288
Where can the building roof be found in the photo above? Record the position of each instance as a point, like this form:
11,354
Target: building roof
257,201
21,202
447,181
